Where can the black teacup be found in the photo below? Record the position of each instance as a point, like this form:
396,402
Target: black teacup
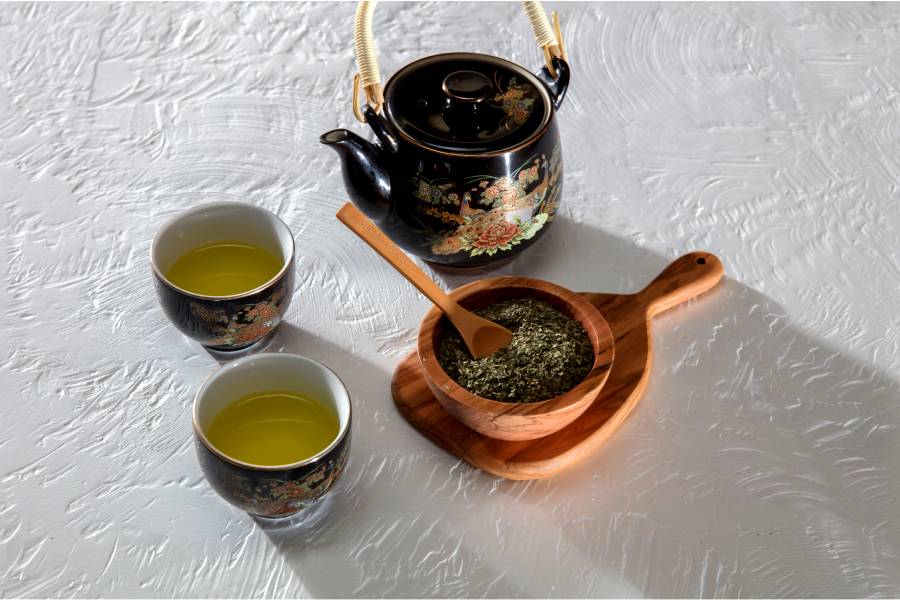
225,323
282,490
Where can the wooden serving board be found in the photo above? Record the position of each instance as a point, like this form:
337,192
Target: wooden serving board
629,317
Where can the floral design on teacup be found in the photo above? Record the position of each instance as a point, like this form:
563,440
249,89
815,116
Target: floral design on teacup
247,324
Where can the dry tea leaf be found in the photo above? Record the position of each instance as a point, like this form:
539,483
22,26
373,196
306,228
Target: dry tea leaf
548,355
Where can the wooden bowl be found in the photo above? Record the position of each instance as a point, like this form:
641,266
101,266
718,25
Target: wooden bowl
511,420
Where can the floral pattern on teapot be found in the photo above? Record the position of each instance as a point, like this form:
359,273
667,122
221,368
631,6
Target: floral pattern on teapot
492,214
516,102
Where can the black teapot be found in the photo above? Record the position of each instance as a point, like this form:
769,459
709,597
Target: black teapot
467,168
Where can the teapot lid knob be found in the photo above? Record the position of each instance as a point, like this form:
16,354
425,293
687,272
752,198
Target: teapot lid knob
467,86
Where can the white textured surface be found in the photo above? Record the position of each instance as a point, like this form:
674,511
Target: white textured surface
764,458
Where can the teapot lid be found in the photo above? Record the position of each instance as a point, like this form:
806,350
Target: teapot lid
466,103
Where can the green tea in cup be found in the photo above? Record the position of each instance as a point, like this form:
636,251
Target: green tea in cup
273,428
224,269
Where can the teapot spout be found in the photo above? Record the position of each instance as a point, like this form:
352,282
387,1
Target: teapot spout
364,167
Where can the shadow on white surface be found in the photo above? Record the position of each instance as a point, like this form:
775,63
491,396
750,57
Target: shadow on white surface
753,440
296,528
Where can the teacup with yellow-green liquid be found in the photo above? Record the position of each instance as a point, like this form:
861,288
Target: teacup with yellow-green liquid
224,273
272,432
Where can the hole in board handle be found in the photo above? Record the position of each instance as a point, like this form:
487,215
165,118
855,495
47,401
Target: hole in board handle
701,261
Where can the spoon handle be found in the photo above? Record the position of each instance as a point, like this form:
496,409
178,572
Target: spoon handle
351,216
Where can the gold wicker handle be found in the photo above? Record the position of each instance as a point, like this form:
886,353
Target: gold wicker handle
368,77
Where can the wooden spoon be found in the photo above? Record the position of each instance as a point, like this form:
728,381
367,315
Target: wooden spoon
482,337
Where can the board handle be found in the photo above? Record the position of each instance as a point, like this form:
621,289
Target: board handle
685,277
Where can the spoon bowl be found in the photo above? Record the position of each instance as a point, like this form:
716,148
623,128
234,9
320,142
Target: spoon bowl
511,420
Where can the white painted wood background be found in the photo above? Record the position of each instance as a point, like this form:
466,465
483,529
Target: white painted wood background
765,457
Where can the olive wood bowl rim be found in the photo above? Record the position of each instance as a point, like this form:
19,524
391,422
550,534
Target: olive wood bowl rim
585,392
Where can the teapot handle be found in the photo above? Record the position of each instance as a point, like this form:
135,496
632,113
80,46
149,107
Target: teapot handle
557,84
548,37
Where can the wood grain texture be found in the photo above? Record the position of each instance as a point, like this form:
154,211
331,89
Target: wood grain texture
509,420
629,317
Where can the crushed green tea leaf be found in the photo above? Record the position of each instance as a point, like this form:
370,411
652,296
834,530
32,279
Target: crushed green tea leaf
549,354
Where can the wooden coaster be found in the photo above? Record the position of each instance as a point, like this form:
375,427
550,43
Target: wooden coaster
629,317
